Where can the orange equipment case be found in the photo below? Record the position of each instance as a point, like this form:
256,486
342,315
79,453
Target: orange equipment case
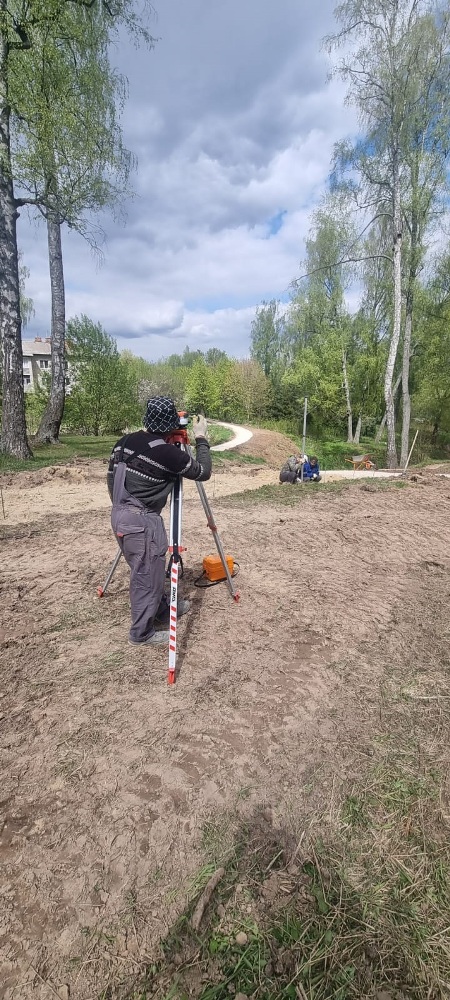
213,569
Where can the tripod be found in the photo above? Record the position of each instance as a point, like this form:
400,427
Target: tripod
180,438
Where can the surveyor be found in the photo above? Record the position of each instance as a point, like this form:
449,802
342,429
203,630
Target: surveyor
292,469
142,470
311,471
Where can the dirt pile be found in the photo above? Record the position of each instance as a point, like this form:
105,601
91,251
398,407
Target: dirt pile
273,447
23,480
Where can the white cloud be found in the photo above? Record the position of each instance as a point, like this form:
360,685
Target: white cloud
233,123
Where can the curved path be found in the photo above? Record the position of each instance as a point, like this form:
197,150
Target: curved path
241,435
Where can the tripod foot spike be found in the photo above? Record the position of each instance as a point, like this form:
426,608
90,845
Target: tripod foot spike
100,591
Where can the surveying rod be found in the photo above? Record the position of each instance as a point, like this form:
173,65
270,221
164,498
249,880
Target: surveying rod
176,507
304,434
180,438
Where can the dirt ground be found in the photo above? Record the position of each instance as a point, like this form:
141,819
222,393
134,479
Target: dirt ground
108,778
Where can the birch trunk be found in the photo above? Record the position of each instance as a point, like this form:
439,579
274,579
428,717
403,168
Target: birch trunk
409,309
14,431
406,396
357,433
48,431
347,398
380,430
392,459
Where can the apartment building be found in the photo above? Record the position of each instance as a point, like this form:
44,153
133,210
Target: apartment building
37,361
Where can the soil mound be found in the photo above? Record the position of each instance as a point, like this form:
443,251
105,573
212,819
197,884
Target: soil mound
273,447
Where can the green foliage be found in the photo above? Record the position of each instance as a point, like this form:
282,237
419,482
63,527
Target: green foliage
228,389
35,403
267,336
203,389
66,142
102,399
431,368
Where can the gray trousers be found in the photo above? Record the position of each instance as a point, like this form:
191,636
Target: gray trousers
288,476
142,538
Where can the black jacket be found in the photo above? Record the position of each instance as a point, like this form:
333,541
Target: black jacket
151,472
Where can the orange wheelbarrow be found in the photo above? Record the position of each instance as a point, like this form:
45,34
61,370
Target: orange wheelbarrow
360,462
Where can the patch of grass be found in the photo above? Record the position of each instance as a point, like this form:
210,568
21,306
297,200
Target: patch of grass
333,454
224,457
282,494
218,435
331,451
363,912
71,448
359,909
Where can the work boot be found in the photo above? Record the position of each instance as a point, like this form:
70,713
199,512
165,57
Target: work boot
157,639
183,606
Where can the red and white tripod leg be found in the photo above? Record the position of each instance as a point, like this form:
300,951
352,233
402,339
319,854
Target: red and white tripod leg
176,506
173,623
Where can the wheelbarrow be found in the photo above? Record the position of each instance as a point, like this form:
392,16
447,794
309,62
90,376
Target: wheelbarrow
360,462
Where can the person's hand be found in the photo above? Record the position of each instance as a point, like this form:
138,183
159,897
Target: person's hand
200,427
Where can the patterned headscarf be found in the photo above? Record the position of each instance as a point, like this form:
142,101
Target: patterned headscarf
161,415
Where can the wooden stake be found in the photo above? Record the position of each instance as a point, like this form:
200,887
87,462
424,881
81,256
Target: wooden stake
411,451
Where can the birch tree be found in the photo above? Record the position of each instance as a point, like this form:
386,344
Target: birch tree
425,186
326,281
68,158
21,29
390,79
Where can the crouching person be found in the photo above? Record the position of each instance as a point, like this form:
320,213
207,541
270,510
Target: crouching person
291,471
311,471
142,470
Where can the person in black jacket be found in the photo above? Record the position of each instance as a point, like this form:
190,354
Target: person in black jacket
142,470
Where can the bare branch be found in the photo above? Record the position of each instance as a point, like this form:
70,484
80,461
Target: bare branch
338,263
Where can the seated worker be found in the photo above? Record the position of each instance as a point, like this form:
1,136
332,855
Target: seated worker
292,469
311,471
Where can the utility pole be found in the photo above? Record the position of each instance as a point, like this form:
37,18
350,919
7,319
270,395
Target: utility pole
304,435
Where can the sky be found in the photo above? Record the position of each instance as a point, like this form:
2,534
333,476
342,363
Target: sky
232,119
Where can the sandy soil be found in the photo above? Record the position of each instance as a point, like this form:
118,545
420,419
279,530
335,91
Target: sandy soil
30,496
108,777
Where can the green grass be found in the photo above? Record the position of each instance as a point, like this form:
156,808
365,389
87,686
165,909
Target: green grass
332,454
73,447
218,435
363,909
223,457
333,451
282,494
